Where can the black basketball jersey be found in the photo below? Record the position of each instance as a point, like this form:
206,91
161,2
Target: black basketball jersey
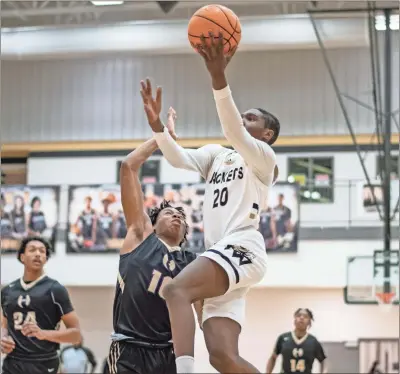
139,312
43,301
37,222
298,355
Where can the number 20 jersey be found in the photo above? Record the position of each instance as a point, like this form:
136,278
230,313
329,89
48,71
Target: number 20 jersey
234,197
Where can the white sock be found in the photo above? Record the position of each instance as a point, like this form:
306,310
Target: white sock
184,364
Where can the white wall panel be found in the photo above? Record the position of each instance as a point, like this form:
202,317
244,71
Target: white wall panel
269,313
98,99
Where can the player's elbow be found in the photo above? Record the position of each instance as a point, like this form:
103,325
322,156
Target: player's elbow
130,164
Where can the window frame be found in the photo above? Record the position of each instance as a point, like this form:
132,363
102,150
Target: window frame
310,173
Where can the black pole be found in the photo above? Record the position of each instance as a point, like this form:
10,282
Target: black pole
344,110
386,146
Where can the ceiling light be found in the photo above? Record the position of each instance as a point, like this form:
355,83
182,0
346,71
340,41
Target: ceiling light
107,2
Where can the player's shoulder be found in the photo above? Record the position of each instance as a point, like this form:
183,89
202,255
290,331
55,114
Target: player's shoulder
55,285
214,149
312,338
9,287
285,335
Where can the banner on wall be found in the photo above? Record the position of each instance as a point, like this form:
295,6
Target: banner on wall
373,197
279,221
97,223
28,211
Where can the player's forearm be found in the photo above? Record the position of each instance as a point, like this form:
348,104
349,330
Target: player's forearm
324,367
270,365
139,156
70,335
4,332
176,155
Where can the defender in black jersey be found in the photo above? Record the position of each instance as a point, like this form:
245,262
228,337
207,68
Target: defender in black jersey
33,308
150,257
298,348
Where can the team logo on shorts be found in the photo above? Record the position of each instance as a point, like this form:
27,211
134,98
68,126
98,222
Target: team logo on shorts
244,255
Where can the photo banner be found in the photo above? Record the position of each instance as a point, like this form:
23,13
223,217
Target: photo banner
28,211
279,221
97,223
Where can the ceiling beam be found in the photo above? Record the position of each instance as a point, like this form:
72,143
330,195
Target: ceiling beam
53,11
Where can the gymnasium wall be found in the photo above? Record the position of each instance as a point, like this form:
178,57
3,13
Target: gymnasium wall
346,210
316,264
269,313
98,98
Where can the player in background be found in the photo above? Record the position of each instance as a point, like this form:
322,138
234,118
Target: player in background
33,308
298,348
150,257
237,185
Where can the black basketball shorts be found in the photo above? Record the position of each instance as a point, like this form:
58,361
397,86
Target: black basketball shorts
15,366
129,358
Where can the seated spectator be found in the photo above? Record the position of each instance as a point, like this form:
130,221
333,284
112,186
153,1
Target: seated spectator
77,359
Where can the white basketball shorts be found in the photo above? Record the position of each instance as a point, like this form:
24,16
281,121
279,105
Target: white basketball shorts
243,256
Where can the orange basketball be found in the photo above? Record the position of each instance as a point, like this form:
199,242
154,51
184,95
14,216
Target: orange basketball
215,18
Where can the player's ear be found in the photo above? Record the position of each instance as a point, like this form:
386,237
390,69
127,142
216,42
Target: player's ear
267,135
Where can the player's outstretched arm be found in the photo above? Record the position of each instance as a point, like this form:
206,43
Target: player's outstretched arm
256,153
137,221
198,160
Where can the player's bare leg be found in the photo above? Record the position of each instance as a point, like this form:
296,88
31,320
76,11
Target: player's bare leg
222,341
202,279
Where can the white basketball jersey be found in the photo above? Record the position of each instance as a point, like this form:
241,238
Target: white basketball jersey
233,199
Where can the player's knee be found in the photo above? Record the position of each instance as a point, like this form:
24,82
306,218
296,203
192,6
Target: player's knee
174,292
221,360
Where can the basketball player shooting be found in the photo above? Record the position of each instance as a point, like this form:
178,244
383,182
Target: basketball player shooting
150,257
237,185
298,348
33,307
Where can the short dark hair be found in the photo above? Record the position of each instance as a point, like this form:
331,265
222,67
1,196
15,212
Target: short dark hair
34,200
309,312
271,122
26,241
164,205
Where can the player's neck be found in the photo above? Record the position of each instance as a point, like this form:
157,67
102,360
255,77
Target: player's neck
31,276
170,241
300,333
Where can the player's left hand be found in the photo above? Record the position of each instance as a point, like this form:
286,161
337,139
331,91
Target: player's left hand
171,122
152,105
213,54
32,330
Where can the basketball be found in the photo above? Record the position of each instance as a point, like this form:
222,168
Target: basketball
215,19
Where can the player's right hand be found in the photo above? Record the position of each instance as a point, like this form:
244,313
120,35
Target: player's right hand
152,106
7,344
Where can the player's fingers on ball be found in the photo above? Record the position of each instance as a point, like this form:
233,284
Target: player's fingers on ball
203,40
212,38
220,41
